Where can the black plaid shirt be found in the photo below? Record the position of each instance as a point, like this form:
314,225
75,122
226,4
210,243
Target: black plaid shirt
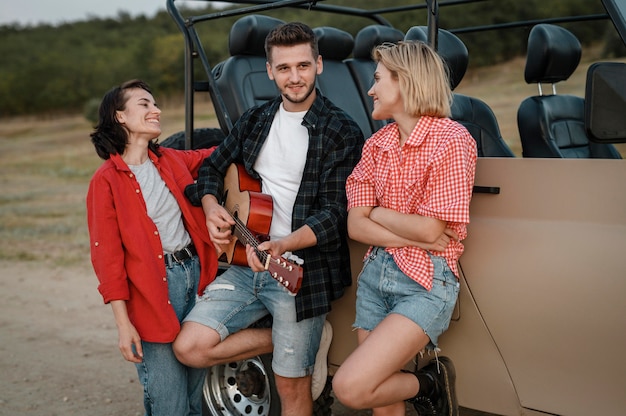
335,142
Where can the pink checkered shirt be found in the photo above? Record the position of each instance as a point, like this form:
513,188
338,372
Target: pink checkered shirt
431,175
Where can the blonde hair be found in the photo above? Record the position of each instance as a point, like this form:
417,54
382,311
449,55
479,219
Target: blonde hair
422,75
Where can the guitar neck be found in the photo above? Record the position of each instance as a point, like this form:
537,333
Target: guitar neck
244,235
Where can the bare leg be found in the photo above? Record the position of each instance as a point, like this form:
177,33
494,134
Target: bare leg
200,346
371,378
295,395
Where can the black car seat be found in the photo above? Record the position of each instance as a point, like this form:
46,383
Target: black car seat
362,66
242,78
553,125
471,112
336,82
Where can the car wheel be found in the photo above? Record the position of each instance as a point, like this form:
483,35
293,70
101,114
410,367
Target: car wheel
241,388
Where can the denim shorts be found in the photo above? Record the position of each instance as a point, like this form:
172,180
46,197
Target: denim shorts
384,289
239,297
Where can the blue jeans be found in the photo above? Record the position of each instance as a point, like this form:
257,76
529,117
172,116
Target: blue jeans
171,388
239,297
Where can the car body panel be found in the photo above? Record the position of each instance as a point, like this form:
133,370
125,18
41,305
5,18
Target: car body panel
544,261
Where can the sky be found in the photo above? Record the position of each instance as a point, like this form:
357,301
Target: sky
33,12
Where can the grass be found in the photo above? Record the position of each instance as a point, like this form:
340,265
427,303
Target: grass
46,164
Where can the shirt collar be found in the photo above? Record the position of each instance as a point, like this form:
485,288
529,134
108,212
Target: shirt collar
420,132
119,163
416,138
317,109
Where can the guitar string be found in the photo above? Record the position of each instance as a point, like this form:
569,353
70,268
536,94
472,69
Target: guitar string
248,236
242,231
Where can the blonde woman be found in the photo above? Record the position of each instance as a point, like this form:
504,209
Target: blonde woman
408,198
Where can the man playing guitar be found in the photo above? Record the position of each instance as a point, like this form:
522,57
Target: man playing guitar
302,148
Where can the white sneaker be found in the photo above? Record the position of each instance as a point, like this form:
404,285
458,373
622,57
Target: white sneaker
320,371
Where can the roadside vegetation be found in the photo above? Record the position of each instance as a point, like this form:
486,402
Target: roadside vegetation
49,70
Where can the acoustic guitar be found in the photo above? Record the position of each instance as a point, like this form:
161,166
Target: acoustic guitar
252,211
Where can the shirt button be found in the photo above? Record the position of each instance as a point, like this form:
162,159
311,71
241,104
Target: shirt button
160,256
130,175
96,244
137,191
169,302
165,279
156,233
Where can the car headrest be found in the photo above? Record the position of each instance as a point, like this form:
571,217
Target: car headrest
451,49
247,35
333,44
371,36
553,54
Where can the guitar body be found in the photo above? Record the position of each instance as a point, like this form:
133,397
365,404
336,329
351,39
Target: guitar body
243,199
252,212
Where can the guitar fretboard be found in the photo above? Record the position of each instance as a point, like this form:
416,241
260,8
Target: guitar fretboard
244,235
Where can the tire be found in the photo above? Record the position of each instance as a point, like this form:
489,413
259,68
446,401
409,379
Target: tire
202,139
222,397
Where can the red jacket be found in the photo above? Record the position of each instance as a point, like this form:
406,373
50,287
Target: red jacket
126,250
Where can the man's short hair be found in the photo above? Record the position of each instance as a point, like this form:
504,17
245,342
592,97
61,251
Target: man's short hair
290,34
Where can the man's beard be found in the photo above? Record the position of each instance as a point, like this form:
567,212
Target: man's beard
299,100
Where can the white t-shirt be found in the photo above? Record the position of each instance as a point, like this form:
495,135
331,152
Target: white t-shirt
281,164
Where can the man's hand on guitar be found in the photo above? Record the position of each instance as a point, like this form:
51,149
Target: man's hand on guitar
218,221
271,247
253,260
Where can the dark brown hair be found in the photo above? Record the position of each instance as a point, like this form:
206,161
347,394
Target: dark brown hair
110,137
290,34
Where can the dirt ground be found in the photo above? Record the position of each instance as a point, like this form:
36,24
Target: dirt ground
58,345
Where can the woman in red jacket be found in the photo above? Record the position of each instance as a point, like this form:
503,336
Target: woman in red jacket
150,248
